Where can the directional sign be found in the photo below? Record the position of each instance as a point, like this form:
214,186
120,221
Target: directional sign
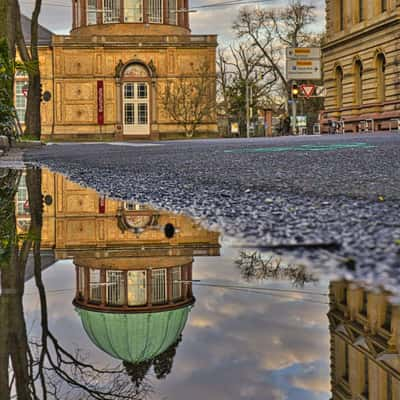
307,89
303,53
303,69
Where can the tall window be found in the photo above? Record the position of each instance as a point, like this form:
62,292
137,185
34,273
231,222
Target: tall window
155,11
358,78
384,5
176,283
360,10
366,377
77,13
22,197
339,86
81,280
159,282
115,288
341,15
137,292
20,99
172,12
380,77
111,11
389,387
346,363
91,12
95,285
388,317
133,10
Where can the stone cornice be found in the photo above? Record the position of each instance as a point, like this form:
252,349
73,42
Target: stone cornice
368,30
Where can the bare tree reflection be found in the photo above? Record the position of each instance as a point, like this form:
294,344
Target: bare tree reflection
43,368
254,267
162,365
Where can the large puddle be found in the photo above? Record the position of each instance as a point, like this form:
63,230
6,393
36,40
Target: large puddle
107,299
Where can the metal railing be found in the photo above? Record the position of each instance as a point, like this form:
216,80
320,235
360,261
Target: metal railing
366,124
397,122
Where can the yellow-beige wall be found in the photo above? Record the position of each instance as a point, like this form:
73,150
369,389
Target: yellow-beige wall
378,33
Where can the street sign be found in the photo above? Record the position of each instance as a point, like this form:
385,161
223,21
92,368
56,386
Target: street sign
24,90
320,91
303,53
307,89
305,69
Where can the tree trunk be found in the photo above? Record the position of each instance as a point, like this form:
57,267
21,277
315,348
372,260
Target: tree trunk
32,116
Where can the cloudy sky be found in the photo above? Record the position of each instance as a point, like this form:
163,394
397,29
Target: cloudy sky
235,345
56,15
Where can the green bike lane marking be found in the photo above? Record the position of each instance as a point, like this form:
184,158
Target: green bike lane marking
304,147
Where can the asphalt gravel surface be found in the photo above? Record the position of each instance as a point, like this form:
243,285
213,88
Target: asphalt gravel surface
332,200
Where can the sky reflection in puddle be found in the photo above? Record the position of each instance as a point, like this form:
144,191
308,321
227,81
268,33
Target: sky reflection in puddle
178,328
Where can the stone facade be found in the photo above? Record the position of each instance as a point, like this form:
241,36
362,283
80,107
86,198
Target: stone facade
361,64
365,359
108,76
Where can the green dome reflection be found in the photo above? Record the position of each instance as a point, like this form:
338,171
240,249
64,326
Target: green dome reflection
134,338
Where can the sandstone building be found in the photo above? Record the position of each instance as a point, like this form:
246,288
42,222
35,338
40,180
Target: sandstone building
365,358
107,78
361,64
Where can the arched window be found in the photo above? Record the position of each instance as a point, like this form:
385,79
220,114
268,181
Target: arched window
380,77
339,86
358,78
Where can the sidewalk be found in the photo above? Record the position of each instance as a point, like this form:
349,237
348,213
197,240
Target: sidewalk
14,157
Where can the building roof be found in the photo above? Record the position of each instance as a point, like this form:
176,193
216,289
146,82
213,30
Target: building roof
134,337
44,34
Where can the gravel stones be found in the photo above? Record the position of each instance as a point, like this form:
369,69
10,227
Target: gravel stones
262,198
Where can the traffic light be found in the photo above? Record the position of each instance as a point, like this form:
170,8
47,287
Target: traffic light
295,91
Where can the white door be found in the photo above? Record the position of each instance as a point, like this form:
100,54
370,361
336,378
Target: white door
136,108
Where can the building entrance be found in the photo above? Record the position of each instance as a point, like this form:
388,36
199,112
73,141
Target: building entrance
136,108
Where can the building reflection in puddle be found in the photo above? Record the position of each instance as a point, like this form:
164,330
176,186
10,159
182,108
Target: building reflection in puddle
133,289
133,271
364,326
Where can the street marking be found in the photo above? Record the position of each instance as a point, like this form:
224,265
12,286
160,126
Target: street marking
304,147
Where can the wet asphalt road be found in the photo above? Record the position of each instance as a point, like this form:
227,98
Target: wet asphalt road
338,195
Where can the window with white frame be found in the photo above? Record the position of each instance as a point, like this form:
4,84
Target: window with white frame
95,285
155,11
173,12
115,288
77,13
81,281
20,99
111,11
176,283
137,291
133,10
91,12
22,197
159,286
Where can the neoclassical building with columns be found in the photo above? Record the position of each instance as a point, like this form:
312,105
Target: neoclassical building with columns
361,64
107,77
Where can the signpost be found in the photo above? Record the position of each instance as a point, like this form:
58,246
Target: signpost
303,69
307,89
302,63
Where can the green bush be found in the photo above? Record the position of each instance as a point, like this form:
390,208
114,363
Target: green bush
7,110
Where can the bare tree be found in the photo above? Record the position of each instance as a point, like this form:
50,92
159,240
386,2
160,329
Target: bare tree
239,67
254,266
30,56
189,99
271,30
43,368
